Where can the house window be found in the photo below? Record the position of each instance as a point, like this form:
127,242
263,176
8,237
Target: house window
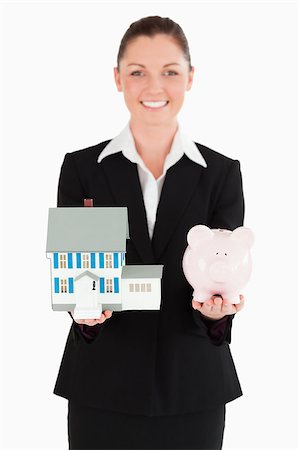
140,287
109,285
85,257
108,261
62,261
63,285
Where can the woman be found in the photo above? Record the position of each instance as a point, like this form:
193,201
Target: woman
153,379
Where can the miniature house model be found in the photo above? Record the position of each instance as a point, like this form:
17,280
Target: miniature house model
87,248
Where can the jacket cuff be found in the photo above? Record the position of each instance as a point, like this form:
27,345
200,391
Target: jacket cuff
219,331
89,332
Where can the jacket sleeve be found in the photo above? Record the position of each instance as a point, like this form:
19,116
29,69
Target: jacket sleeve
218,331
229,210
71,193
70,187
227,214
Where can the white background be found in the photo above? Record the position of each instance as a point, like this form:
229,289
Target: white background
59,96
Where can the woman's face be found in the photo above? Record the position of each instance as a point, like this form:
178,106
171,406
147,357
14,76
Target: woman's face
153,69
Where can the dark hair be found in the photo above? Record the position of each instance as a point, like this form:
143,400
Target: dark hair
150,26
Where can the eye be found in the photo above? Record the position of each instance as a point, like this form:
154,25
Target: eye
135,71
217,253
171,71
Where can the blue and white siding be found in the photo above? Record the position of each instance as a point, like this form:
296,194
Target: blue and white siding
66,266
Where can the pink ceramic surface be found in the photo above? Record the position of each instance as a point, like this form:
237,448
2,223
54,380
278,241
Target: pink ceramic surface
218,261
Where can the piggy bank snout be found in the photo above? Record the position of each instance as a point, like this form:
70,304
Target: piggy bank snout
219,271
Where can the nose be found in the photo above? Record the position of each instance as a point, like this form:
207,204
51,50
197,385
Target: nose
154,84
219,272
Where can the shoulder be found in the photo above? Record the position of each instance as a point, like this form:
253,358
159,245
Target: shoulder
219,166
214,158
87,156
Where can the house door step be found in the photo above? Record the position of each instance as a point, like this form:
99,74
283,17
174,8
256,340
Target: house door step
87,313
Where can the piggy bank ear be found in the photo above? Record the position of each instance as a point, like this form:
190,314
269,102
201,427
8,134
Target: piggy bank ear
243,234
198,234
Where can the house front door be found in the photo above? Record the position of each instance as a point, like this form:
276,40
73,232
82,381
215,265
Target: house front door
87,296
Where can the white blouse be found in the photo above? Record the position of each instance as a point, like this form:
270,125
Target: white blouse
151,187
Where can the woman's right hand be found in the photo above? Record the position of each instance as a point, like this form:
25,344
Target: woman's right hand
91,322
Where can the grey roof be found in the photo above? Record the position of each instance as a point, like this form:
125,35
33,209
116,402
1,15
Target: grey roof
87,229
142,271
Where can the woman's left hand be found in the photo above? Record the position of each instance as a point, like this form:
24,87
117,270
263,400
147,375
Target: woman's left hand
216,308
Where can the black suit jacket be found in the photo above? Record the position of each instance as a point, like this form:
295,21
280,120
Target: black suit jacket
154,362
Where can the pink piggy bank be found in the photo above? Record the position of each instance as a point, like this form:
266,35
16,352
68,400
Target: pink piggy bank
218,261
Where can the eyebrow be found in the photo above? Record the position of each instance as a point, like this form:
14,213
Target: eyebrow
165,65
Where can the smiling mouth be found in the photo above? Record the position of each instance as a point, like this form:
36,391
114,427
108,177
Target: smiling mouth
155,105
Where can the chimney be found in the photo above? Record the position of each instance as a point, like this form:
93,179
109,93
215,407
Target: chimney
88,202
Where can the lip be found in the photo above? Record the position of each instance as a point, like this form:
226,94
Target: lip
155,109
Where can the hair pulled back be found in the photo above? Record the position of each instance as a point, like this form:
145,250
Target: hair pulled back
150,26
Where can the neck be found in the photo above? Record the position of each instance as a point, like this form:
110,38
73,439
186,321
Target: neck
153,142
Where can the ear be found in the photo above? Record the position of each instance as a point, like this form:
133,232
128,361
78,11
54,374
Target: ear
117,79
243,234
198,234
190,79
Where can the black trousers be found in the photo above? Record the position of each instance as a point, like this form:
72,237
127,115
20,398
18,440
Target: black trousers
91,428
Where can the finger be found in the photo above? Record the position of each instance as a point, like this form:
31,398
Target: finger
226,307
240,305
207,307
108,313
217,304
79,321
102,318
209,302
90,322
196,305
242,300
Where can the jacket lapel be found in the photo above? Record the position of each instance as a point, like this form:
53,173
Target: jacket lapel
179,185
123,179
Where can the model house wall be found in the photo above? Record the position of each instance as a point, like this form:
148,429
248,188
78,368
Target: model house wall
67,266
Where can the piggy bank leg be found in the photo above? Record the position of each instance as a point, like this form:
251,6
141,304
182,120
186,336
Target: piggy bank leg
234,300
200,296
